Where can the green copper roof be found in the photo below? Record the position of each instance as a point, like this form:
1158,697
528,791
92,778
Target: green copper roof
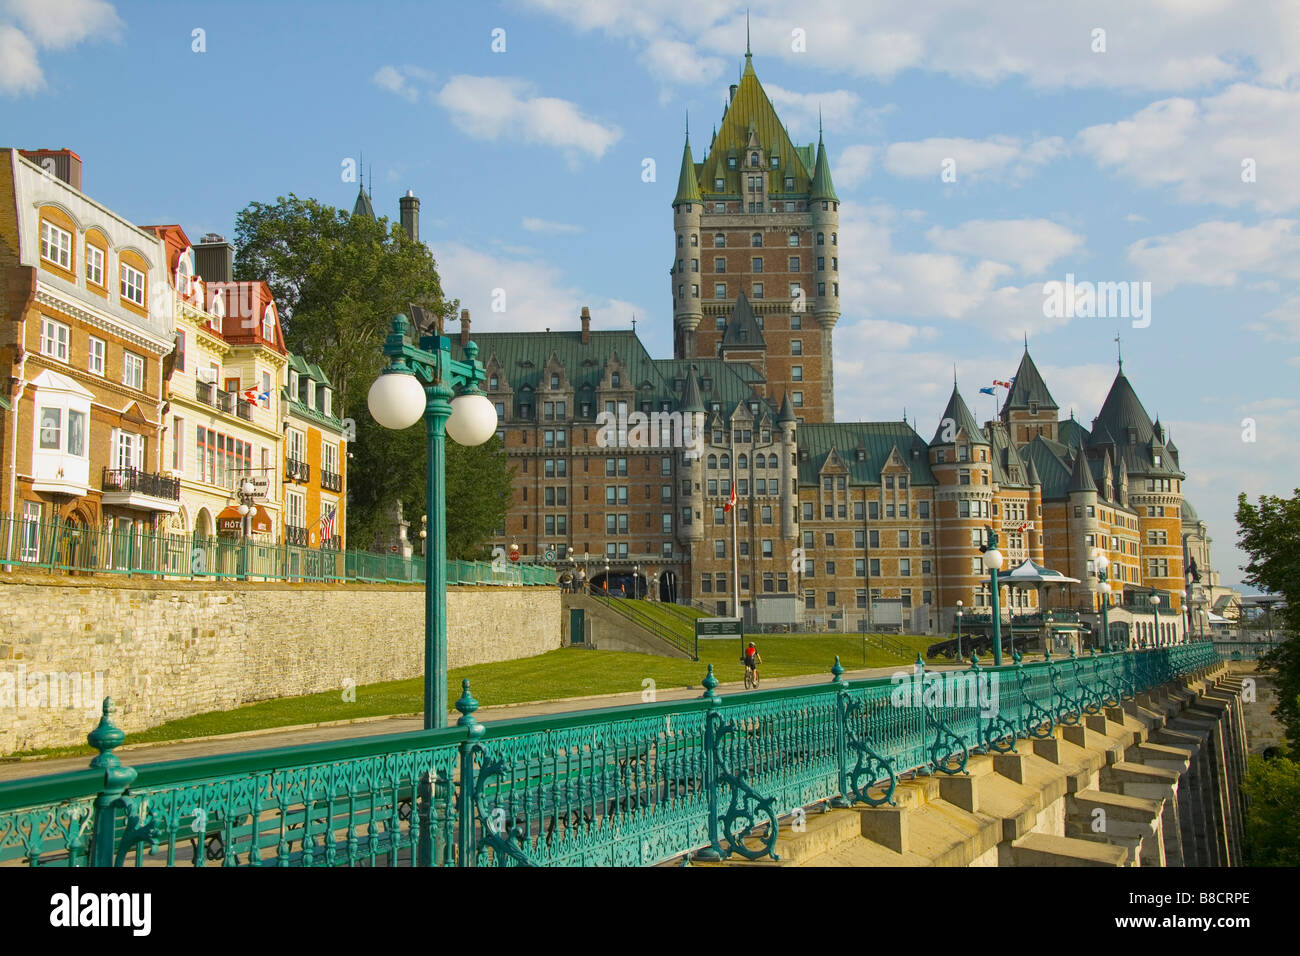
750,108
821,183
742,328
787,411
1073,435
688,185
523,357
1046,458
965,421
1135,437
876,440
1008,467
1029,387
1081,475
722,383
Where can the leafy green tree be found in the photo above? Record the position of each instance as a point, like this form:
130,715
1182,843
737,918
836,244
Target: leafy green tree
1270,534
338,280
1272,789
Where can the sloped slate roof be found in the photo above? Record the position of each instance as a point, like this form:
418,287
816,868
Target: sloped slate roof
965,421
1048,458
1123,416
743,331
877,439
523,357
1029,387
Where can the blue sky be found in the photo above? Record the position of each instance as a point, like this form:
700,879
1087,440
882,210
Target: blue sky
1113,157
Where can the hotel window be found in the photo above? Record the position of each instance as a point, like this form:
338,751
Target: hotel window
52,429
719,549
905,567
719,240
758,290
94,265
756,240
56,245
796,398
131,284
873,510
128,449
757,264
796,373
54,339
875,567
133,370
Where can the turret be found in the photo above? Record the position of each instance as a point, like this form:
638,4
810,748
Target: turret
825,206
688,208
693,412
1035,538
1082,521
788,425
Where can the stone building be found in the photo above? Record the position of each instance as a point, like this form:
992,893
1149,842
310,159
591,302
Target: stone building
856,524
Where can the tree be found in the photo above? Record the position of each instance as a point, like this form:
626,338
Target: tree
338,280
1272,789
1270,534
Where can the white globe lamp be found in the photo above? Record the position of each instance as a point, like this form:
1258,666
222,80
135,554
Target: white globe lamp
396,400
473,419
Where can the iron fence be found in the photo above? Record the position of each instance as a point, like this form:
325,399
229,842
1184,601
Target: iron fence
623,786
83,550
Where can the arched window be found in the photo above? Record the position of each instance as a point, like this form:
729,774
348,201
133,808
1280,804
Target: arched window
713,461
268,324
821,238
719,241
756,240
742,462
679,241
695,239
725,463
835,238
753,159
771,462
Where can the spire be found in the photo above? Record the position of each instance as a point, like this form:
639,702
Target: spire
787,411
743,331
1029,387
691,401
822,189
747,53
962,420
1119,353
1031,473
1081,477
688,187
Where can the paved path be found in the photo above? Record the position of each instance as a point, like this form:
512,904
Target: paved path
374,726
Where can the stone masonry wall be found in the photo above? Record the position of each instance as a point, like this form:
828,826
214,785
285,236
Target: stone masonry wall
173,651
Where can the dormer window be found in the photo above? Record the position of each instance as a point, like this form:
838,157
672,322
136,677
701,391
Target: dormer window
293,382
731,162
268,324
328,405
1156,458
615,380
1033,408
555,380
494,382
753,159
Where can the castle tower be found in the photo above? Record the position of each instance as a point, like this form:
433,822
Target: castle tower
766,219
1029,410
1035,513
693,410
1082,520
688,209
962,465
787,422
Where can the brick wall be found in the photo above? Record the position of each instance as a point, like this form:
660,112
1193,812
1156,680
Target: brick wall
170,652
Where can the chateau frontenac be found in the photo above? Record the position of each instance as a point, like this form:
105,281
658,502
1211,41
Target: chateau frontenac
855,523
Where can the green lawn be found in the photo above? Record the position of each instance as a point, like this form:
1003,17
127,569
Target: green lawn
568,672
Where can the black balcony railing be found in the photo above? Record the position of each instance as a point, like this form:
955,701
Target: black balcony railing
244,410
141,482
209,394
296,470
330,481
293,535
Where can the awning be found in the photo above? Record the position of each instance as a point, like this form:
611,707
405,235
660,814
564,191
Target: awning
231,522
1032,575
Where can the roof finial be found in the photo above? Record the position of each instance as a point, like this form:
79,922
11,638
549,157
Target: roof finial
954,374
1119,352
819,121
688,124
747,53
1026,341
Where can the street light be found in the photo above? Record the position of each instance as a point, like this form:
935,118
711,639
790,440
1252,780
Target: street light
1155,609
1102,563
993,561
422,381
960,656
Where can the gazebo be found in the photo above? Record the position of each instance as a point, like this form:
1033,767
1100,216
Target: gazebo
1042,580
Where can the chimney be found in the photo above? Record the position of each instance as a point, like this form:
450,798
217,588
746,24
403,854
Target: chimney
586,325
63,163
214,259
410,212
464,326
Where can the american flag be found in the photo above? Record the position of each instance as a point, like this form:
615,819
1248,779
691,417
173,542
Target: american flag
327,525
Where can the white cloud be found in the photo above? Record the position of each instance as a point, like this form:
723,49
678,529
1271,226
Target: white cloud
1200,149
490,108
1031,245
52,26
994,157
537,296
675,62
1282,324
58,26
1217,253
800,111
555,228
398,80
1159,45
20,71
854,166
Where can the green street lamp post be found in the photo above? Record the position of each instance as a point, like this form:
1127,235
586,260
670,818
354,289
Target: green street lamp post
993,561
422,381
1102,563
960,656
1155,610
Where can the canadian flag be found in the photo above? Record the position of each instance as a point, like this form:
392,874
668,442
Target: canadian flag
731,503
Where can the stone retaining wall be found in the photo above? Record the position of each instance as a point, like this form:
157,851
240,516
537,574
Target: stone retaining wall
167,652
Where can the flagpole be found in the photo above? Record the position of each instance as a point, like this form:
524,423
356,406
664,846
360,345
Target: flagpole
735,557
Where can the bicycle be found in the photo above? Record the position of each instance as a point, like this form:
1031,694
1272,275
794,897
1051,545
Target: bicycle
751,677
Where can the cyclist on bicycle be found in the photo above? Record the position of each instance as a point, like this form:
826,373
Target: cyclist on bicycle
751,660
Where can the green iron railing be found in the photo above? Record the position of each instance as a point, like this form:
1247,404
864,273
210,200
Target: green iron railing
58,546
622,786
